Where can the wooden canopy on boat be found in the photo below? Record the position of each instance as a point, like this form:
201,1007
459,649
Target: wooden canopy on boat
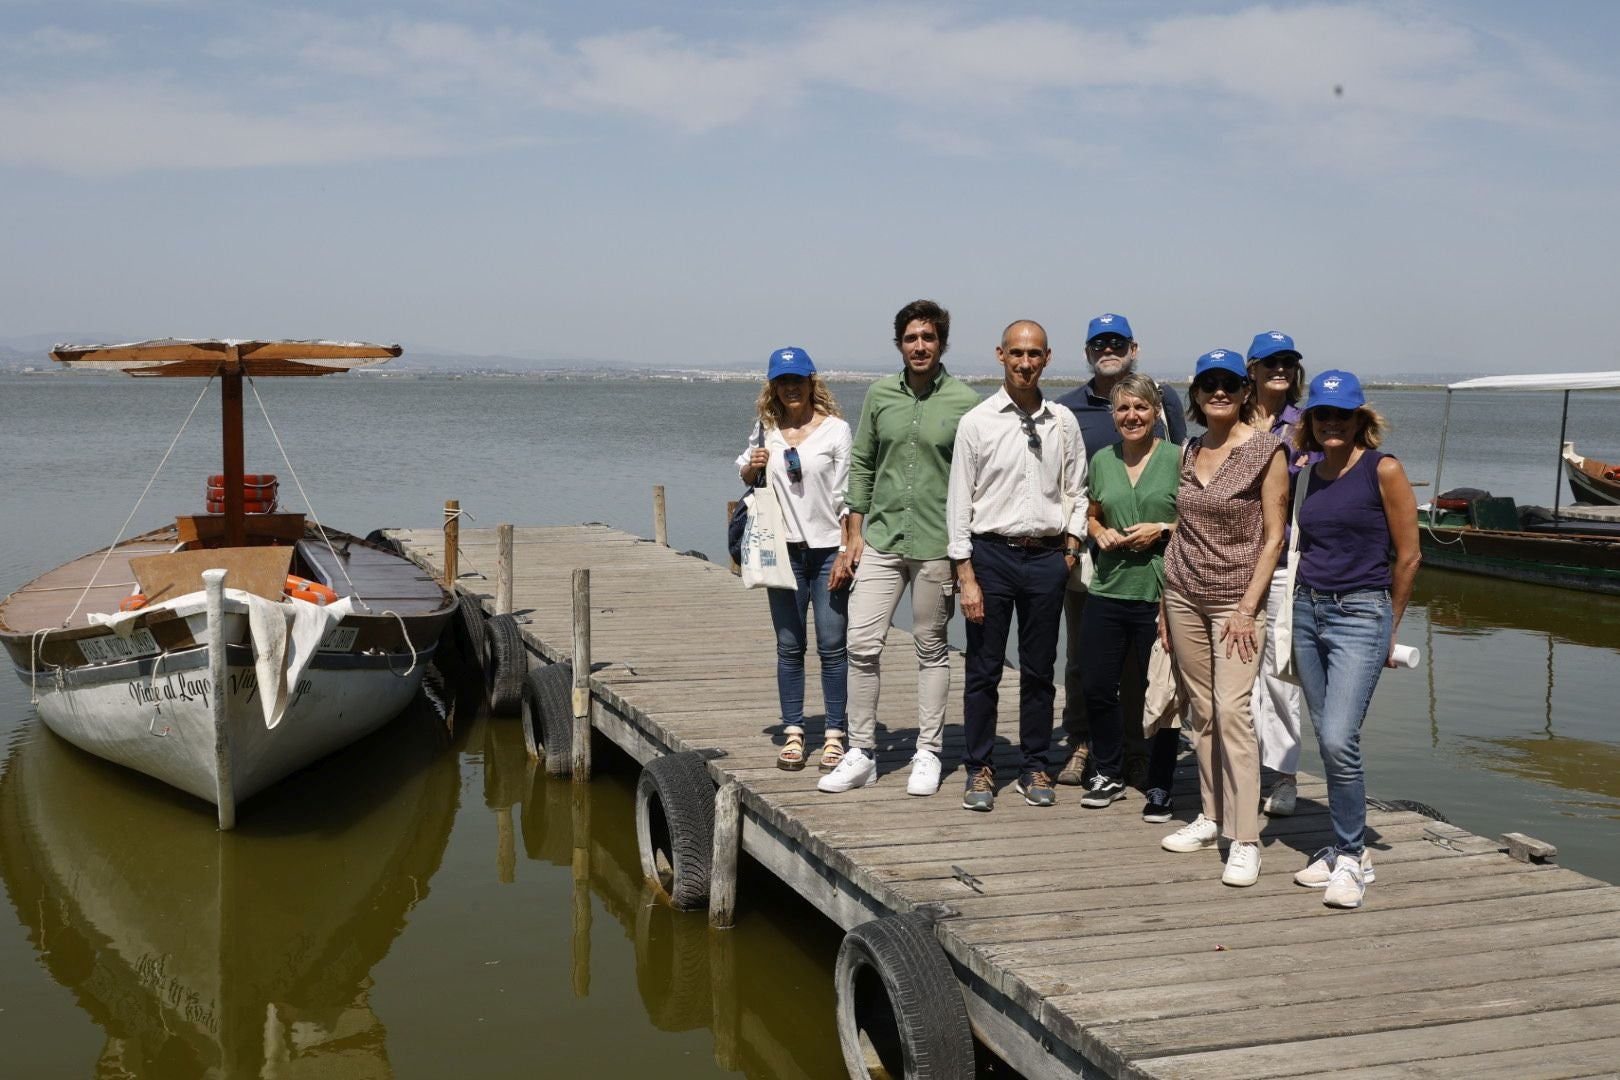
255,359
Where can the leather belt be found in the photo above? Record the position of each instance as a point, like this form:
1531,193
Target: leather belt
1053,542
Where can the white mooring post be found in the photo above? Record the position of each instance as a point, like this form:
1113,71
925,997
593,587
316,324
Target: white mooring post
581,750
503,569
218,673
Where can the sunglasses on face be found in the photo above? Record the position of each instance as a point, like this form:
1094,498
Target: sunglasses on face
1286,361
795,468
1220,380
1030,433
1109,343
1331,412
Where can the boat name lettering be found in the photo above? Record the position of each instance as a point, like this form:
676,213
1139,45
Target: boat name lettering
248,682
150,970
176,687
110,647
339,639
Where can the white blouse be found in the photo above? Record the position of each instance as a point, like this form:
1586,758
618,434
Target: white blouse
813,510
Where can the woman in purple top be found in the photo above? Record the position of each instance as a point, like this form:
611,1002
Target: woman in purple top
1279,382
1348,600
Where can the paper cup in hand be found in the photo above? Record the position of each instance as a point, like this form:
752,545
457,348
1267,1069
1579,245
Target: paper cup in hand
1406,656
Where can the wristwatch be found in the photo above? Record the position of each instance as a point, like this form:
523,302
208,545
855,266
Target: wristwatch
1164,534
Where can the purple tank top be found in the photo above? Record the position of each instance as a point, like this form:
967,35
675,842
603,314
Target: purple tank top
1344,542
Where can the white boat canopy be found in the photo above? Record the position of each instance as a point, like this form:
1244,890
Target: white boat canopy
204,357
1576,380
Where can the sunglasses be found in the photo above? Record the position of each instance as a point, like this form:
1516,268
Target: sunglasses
1332,412
1109,343
1030,433
795,468
1286,361
1219,380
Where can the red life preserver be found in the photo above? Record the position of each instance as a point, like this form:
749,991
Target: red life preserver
132,602
300,588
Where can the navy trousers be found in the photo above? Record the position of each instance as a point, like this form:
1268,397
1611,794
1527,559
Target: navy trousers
1028,583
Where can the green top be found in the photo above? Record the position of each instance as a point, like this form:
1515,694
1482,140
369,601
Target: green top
1123,574
900,465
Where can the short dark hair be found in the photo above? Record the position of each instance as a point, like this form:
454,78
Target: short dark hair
1195,411
928,312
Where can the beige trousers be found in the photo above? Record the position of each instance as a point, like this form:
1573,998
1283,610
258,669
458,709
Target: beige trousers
880,580
1218,691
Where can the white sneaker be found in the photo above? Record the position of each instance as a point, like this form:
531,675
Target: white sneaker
1280,803
858,769
1197,834
924,773
1346,887
1319,871
1242,865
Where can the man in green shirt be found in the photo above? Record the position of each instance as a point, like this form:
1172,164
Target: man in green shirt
899,471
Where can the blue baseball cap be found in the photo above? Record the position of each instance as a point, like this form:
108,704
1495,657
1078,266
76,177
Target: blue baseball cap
1338,389
1110,324
790,362
1270,343
1221,360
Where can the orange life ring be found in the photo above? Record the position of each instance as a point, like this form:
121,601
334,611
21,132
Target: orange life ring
249,506
300,588
248,480
132,602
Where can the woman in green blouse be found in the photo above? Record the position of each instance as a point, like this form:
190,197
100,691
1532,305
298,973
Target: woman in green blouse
1131,517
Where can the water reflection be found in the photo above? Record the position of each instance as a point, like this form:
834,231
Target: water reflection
1468,605
248,953
1575,766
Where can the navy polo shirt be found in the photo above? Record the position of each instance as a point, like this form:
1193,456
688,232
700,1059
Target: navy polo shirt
1096,416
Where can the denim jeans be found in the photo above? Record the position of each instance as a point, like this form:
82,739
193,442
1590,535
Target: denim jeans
1340,644
811,567
1028,582
1110,630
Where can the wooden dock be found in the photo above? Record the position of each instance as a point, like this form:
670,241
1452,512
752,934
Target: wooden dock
1082,948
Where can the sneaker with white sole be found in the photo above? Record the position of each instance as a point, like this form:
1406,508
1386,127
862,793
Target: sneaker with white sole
1319,871
858,769
1158,809
1242,865
1346,887
924,773
1102,791
1280,803
1196,835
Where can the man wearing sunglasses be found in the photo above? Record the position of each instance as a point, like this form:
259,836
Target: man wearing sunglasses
899,468
1111,352
1016,510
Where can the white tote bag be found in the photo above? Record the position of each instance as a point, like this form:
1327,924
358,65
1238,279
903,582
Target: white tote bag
764,546
1282,631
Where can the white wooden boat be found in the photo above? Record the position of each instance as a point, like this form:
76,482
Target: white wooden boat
300,678
1591,480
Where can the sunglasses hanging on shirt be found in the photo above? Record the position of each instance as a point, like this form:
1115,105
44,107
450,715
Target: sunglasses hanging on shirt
1030,433
795,468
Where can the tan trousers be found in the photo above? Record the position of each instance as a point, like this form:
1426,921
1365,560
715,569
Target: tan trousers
1218,690
880,580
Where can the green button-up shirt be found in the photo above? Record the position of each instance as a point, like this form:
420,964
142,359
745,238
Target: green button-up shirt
900,465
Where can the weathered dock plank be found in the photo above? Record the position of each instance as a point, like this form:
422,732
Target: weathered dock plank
1082,947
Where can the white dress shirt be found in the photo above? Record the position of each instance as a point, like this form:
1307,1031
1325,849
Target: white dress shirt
1000,484
813,510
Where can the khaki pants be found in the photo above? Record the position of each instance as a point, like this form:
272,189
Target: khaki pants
880,579
1218,690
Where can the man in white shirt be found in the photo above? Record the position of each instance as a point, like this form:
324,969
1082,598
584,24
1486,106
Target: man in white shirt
1016,509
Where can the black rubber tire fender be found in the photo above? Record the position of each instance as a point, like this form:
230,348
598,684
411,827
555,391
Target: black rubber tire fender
675,827
899,1006
672,967
548,716
1410,806
506,662
469,634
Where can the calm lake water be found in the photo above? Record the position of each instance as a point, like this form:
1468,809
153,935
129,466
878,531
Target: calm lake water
409,907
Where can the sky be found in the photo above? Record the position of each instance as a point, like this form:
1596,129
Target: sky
1404,187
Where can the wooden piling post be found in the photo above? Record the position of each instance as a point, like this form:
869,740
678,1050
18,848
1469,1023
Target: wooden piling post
725,1007
581,750
580,898
731,508
727,847
660,525
503,569
452,542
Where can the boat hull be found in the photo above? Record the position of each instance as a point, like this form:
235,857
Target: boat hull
1591,565
1589,479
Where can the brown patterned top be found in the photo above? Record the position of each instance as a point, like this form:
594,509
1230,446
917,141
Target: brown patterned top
1219,528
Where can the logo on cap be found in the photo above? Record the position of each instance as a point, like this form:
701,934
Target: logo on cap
1330,384
1275,336
1106,319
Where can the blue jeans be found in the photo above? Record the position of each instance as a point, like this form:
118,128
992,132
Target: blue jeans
811,567
1029,583
1340,644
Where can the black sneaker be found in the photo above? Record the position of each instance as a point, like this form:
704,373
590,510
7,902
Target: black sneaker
1103,790
1158,807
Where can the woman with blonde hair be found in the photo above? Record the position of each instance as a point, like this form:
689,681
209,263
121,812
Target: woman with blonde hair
804,443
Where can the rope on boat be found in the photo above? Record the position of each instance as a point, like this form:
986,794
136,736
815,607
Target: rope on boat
336,560
403,629
35,641
144,492
157,699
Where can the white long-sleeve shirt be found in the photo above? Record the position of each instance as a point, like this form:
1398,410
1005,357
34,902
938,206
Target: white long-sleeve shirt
813,510
999,484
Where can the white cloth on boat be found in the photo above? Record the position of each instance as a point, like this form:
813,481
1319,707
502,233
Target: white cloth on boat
285,637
